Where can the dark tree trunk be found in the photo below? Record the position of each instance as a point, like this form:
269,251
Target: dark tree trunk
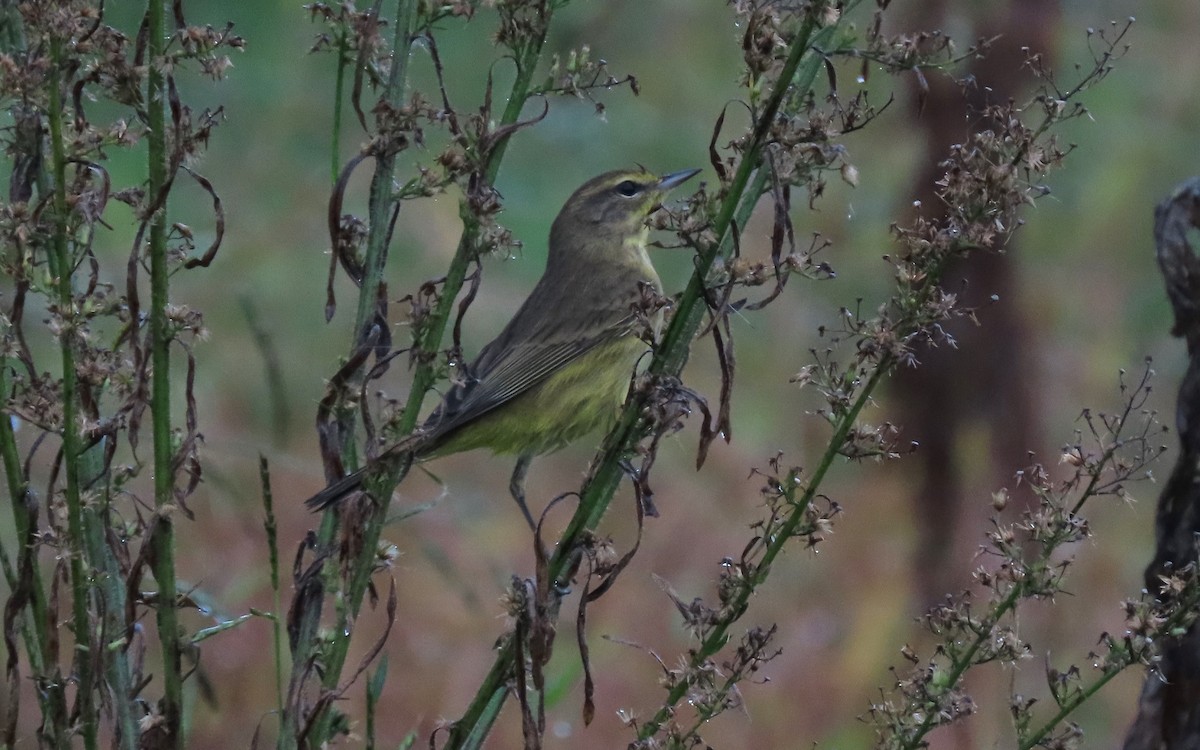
1169,709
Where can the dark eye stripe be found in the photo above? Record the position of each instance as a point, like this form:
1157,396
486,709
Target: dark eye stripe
629,188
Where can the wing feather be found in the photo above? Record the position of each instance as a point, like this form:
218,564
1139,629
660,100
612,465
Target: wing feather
537,342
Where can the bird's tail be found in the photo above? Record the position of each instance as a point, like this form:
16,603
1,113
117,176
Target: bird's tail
352,482
399,456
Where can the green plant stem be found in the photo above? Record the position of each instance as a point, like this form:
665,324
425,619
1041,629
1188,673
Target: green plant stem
339,86
380,200
686,320
960,665
966,659
429,340
309,626
110,588
431,336
271,529
672,353
376,258
1182,617
34,625
433,333
35,622
18,488
163,533
1035,739
669,359
718,637
61,267
349,602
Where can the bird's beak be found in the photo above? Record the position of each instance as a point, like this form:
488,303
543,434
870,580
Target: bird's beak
675,179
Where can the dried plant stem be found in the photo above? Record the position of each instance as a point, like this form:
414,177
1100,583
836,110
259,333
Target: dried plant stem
61,267
163,534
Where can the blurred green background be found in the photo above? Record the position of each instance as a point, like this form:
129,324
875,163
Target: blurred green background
1088,287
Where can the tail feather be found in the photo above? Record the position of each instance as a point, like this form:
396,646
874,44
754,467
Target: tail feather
352,482
399,457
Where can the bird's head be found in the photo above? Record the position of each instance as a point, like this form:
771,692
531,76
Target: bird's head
622,198
613,205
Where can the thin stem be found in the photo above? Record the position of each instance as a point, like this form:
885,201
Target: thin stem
338,90
1107,456
677,342
163,532
965,661
984,631
1181,617
33,625
432,335
110,588
380,200
271,529
379,207
35,622
1066,709
376,258
718,637
61,267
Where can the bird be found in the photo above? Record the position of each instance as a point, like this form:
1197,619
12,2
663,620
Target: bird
561,367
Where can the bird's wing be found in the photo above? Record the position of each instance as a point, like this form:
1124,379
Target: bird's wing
525,353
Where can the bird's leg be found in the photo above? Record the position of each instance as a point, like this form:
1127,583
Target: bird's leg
516,487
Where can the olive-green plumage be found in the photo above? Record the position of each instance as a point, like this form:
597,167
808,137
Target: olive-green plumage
561,367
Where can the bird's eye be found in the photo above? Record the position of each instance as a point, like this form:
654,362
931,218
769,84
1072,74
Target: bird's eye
629,188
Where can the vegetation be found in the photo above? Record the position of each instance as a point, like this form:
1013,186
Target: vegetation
104,134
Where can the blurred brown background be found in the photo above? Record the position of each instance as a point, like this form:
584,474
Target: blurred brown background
1081,283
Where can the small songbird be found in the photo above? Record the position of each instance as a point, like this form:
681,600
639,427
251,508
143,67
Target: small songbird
561,367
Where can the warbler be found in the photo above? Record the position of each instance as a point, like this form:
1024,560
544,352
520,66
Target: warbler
561,367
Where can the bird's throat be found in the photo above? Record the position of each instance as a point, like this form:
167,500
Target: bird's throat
634,248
